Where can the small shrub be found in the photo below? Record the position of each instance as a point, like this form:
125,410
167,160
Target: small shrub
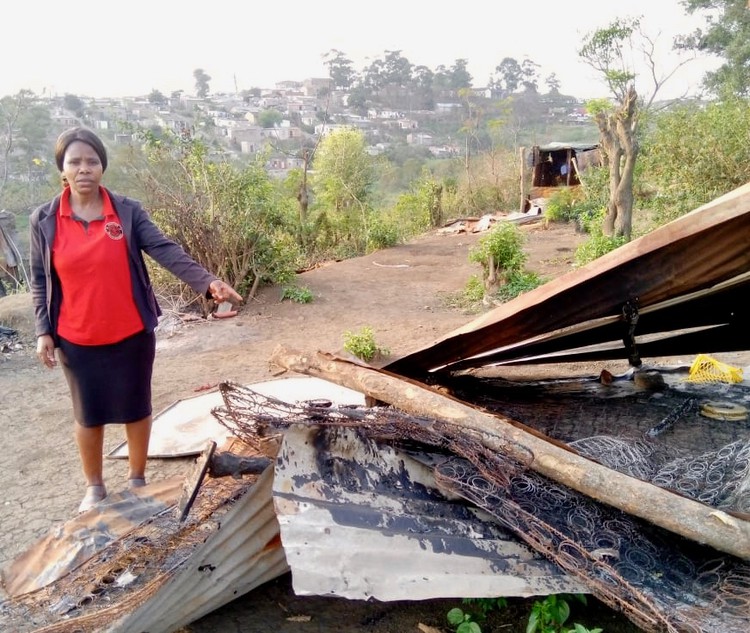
596,246
518,283
382,234
548,615
473,291
362,344
470,298
297,294
501,248
561,206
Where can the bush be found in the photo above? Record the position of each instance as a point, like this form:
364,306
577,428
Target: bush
500,252
297,294
362,344
598,244
518,283
381,234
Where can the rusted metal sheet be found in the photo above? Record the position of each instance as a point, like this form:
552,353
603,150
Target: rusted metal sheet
242,555
66,547
364,521
165,573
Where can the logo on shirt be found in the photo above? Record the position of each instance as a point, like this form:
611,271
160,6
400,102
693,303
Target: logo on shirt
113,230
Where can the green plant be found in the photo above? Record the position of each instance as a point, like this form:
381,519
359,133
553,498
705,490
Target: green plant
518,283
462,621
469,299
362,344
473,291
561,206
486,605
500,252
579,628
381,234
549,615
596,246
297,294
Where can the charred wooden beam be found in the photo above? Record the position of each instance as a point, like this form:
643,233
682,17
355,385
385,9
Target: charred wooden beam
226,464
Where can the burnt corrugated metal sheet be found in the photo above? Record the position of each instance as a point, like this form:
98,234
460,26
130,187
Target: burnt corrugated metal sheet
361,520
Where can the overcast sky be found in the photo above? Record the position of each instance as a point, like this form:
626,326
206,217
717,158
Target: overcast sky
133,47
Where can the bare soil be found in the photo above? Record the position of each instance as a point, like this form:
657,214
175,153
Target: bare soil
402,293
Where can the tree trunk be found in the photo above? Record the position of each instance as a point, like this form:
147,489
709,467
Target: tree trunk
691,519
617,136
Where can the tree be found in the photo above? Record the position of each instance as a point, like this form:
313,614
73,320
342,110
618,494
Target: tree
726,36
157,98
552,83
73,104
201,82
459,75
340,69
269,118
229,219
10,110
609,51
692,169
342,181
507,78
24,129
530,72
424,95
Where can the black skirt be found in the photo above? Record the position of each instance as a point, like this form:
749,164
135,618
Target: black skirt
110,384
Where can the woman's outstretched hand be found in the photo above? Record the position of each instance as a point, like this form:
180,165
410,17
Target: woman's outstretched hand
221,292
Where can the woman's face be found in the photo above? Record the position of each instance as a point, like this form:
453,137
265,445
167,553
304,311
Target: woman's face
82,168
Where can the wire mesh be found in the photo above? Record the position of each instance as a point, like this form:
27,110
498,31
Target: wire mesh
660,581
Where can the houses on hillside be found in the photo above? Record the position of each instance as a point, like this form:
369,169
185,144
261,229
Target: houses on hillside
277,121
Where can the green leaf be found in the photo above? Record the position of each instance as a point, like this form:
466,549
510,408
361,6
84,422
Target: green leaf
533,624
456,616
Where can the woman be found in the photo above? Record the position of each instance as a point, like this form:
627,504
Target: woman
93,301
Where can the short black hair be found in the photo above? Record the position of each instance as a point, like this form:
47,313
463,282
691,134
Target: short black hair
85,136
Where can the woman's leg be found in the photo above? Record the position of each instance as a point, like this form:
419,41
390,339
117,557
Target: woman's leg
90,440
138,434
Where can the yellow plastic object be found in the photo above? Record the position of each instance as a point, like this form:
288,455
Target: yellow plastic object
708,369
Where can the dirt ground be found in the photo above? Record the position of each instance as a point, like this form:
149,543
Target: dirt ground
401,293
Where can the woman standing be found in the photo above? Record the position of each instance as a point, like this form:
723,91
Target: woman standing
94,303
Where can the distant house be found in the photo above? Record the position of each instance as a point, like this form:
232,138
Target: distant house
419,138
324,129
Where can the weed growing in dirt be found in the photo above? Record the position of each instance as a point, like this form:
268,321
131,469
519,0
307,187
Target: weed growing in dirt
362,344
297,294
472,299
547,616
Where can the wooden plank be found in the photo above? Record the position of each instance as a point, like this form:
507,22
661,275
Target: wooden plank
194,480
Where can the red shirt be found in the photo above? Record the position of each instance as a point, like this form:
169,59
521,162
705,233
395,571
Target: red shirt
91,260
